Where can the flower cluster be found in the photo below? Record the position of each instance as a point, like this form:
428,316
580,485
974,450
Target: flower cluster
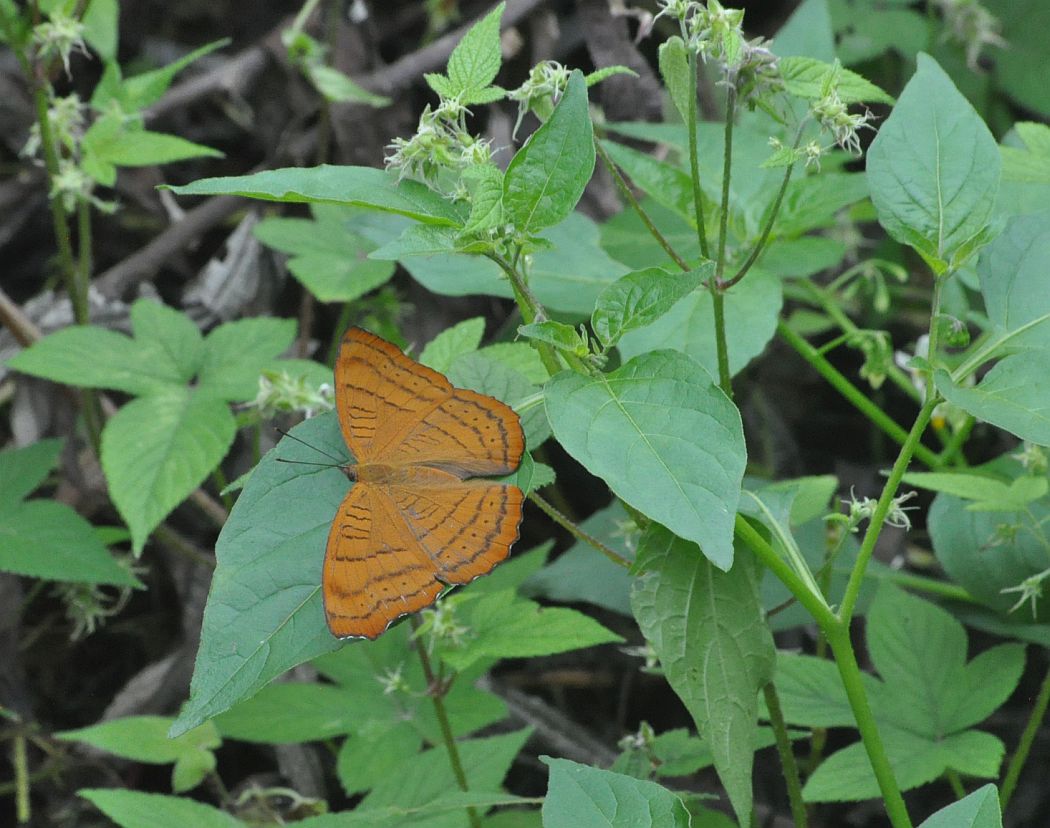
282,393
440,150
972,26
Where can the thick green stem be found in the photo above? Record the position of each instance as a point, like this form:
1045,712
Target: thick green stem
838,637
878,519
854,395
813,602
727,166
1024,745
628,196
694,161
787,755
436,696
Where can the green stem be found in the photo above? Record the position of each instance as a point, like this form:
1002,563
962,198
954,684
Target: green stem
694,160
577,532
931,586
814,603
787,755
867,547
953,778
21,763
770,221
826,302
727,166
952,452
533,311
854,395
1024,745
625,191
853,681
436,696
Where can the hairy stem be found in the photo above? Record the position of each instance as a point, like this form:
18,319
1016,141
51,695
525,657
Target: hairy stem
787,755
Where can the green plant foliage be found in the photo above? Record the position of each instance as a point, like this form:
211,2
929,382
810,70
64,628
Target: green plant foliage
509,627
978,810
706,627
145,739
581,573
45,538
459,340
684,471
162,445
546,177
926,705
640,298
579,796
751,308
326,184
133,809
933,170
328,256
989,551
481,372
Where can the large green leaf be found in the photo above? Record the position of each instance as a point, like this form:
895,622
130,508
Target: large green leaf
1014,395
567,277
707,628
23,469
236,353
329,257
664,437
291,712
546,177
978,810
158,449
134,809
927,701
1014,281
507,627
933,170
145,739
91,357
47,539
327,184
579,796
752,309
476,59
640,298
987,552
264,612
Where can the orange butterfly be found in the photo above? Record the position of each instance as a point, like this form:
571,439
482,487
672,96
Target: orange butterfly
412,522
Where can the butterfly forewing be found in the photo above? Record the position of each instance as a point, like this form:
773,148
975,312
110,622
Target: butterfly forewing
380,394
468,435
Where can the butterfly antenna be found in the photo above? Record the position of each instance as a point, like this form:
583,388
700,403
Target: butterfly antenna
315,448
308,463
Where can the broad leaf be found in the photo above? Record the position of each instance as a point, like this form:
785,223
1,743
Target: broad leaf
326,184
707,628
158,449
462,338
476,59
933,170
579,796
1013,395
752,309
674,68
664,437
1014,284
329,257
291,712
45,538
134,809
145,739
546,177
978,810
264,612
640,298
507,627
